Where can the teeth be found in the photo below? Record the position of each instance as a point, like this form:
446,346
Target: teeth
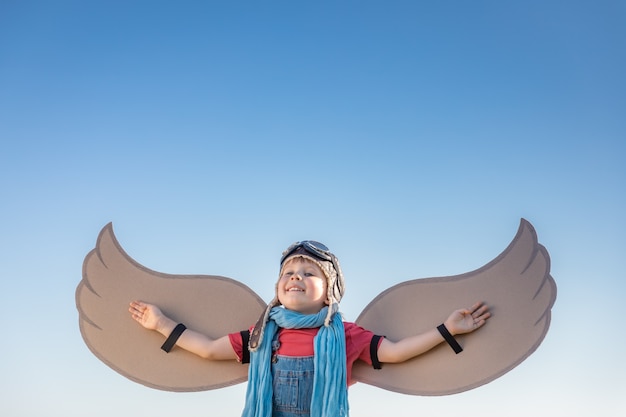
296,289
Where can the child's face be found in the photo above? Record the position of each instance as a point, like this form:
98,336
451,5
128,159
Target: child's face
302,286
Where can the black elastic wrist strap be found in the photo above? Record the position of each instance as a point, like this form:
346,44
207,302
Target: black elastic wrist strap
374,352
173,337
245,341
450,339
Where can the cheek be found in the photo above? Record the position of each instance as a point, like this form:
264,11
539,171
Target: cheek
322,289
280,286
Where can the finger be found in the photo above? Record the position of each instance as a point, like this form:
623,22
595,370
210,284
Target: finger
473,308
136,309
480,310
484,316
480,321
135,316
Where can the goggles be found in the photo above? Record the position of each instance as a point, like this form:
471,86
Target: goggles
317,249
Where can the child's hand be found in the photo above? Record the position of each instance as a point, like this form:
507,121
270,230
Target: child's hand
148,315
468,320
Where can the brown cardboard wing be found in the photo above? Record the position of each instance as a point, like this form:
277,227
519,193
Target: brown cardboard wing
210,304
520,292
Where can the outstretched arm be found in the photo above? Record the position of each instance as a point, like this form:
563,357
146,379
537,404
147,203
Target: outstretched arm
459,322
152,318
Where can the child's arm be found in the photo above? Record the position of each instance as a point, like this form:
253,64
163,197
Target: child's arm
151,317
459,322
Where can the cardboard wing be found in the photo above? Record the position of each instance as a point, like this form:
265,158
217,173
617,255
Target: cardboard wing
520,293
210,304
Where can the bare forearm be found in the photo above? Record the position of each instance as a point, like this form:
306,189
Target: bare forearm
459,322
405,349
151,317
198,343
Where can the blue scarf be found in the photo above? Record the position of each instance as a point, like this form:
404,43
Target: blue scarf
330,390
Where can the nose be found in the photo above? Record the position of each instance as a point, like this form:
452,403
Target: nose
296,277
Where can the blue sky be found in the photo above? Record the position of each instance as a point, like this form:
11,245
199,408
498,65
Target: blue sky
409,137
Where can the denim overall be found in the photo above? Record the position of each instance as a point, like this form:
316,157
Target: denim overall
293,385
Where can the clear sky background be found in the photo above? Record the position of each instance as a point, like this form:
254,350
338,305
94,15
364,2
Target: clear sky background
410,137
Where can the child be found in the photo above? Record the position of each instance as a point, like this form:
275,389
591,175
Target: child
301,352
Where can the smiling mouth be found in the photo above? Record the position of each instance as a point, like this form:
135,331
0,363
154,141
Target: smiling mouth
295,289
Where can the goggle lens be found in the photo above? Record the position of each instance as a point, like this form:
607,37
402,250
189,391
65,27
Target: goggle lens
315,248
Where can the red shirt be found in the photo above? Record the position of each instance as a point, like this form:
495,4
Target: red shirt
299,342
